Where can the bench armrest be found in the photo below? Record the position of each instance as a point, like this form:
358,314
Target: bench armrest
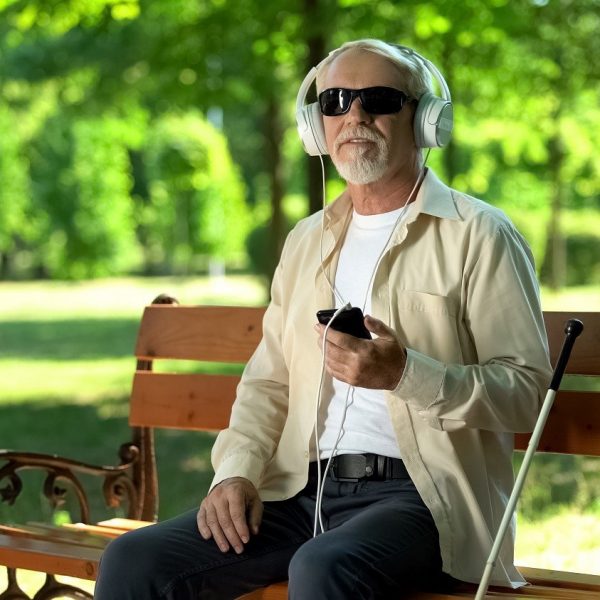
118,486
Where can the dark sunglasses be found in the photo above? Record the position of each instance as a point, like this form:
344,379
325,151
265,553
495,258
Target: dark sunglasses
375,100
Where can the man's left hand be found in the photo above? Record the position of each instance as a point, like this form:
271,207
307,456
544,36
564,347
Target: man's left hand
375,364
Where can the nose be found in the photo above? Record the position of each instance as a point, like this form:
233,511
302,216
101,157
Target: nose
357,114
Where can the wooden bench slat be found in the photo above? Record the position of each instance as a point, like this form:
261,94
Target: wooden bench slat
230,334
100,530
123,524
545,585
46,531
203,402
210,333
573,426
278,591
183,401
47,556
566,579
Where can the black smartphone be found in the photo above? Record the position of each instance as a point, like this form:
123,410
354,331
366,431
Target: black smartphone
350,320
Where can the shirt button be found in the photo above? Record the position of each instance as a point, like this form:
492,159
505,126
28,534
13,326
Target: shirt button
306,455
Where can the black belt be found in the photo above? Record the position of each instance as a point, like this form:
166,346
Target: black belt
356,467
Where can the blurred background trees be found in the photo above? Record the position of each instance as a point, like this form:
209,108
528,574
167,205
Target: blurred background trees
145,136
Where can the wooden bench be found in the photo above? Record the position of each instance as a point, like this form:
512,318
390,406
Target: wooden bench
195,401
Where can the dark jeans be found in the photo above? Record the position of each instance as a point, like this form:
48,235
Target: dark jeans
380,540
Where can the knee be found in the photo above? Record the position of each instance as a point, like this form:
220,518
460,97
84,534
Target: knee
119,552
125,562
315,563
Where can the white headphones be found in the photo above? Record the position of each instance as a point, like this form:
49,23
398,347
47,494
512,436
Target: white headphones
432,122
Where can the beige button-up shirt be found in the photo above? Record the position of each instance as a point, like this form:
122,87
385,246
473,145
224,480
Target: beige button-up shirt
458,286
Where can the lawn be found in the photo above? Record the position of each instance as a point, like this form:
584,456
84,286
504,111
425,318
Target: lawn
66,365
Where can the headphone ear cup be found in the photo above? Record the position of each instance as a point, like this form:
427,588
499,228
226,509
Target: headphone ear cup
433,121
311,129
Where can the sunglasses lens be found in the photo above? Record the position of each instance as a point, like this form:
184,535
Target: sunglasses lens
382,100
335,101
375,100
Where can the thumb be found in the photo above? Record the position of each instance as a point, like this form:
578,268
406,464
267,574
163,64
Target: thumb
255,512
379,328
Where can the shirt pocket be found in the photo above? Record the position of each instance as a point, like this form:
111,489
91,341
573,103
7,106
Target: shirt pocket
428,323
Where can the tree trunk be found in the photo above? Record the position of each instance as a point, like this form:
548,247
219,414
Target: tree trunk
315,42
4,265
274,137
554,266
553,271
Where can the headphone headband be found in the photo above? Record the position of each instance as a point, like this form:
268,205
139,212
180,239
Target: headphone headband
433,118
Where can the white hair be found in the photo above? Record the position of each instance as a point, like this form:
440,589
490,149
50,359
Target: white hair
417,76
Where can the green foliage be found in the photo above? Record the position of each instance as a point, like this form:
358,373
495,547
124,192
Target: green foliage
102,240
196,203
14,191
557,481
82,167
524,87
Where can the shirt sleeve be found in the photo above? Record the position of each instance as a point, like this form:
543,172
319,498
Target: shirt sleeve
260,408
503,317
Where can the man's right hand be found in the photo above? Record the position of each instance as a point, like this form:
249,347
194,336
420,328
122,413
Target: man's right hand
231,511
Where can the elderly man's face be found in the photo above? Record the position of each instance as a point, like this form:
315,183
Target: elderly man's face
368,148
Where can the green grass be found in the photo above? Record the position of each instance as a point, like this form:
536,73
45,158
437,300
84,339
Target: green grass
66,364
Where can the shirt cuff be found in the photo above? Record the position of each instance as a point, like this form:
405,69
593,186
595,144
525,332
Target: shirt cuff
240,464
421,381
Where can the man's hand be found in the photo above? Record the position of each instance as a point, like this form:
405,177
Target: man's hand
231,511
376,364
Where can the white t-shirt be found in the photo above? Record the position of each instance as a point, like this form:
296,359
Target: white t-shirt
367,426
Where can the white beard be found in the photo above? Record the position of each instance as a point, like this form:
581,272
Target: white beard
364,165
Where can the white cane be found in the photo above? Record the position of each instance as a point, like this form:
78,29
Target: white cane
573,328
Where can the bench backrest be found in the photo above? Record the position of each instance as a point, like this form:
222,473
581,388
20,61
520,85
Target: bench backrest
211,334
227,334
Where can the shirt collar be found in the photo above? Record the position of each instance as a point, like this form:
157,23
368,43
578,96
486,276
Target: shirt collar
434,198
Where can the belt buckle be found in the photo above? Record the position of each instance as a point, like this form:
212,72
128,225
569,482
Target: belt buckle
360,464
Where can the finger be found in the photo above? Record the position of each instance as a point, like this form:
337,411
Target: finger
340,369
345,377
255,515
203,528
237,510
228,529
343,356
379,328
212,521
345,341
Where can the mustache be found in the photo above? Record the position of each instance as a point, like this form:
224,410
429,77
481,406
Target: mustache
357,132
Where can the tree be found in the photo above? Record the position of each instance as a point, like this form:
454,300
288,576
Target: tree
196,195
14,191
511,67
81,170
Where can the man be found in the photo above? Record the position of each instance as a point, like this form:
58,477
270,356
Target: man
418,419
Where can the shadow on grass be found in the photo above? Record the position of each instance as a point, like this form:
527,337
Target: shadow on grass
81,433
68,339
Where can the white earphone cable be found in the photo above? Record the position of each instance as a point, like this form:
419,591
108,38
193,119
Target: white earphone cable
318,520
324,195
